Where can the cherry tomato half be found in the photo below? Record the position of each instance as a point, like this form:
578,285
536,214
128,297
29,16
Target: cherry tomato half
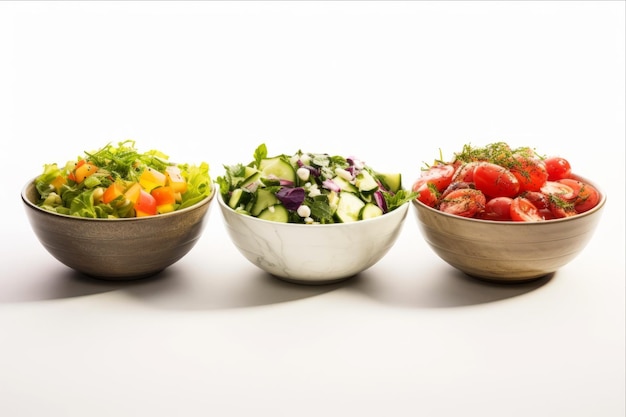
495,181
523,210
465,202
427,195
559,189
465,172
539,199
586,196
456,186
560,208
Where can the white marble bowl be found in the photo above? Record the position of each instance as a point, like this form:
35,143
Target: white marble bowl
507,251
313,254
116,249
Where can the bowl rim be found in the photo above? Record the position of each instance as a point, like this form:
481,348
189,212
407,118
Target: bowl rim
603,198
35,207
399,209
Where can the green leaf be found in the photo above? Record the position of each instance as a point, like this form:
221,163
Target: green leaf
398,199
260,153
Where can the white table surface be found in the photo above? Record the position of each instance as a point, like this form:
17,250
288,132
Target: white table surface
390,82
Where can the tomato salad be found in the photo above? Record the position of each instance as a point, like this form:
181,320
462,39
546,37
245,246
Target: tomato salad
121,182
501,183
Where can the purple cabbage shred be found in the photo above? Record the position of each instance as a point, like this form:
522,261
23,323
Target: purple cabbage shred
380,201
331,185
291,198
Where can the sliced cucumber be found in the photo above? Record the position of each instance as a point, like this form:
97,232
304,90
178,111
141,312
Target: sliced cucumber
369,211
345,185
275,213
279,168
392,181
235,197
366,197
267,162
248,171
251,176
366,183
264,199
349,207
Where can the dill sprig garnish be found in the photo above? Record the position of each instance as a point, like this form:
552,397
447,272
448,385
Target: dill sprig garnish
499,153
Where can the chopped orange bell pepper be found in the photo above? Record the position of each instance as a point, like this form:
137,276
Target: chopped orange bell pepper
112,192
83,170
165,199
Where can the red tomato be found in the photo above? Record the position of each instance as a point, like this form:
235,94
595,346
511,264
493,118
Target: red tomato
560,208
498,208
546,214
439,175
427,195
495,181
557,168
523,210
465,202
145,204
586,197
530,172
539,199
465,172
558,189
456,186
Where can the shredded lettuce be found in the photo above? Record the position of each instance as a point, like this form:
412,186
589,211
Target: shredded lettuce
121,163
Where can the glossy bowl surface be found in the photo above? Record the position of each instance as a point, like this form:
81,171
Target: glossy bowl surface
116,249
313,254
507,251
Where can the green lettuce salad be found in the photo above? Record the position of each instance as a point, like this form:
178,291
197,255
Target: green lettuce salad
118,181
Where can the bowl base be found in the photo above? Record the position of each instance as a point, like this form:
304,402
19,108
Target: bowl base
511,281
313,281
122,277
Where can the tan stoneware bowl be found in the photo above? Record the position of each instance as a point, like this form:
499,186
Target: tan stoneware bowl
117,249
507,251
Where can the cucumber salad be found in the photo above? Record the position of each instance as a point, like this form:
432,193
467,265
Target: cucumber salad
310,188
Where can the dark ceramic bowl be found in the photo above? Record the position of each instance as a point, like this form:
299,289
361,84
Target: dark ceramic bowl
117,249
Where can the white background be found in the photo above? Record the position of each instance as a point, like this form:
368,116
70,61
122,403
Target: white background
393,83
